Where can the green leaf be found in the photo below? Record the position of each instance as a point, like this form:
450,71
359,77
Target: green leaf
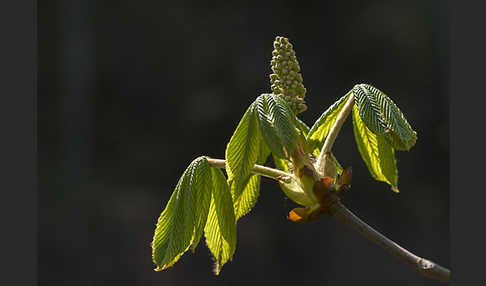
376,152
382,116
248,198
204,188
281,164
277,124
322,126
243,149
263,154
302,126
283,119
251,191
180,224
267,130
220,229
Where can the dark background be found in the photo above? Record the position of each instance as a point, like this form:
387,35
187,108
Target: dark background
131,92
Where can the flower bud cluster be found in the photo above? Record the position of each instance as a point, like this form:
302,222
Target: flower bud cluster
286,79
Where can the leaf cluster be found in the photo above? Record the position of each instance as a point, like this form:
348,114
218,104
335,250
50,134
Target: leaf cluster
205,201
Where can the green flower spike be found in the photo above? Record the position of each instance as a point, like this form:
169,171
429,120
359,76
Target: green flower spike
286,79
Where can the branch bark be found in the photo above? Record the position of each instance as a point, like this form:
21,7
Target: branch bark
425,267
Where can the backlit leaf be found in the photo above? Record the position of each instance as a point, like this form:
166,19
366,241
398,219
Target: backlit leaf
267,129
220,229
376,152
302,126
277,124
243,149
251,190
180,224
320,129
281,164
283,119
248,198
382,116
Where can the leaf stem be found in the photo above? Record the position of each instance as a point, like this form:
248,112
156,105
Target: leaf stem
425,267
333,133
257,169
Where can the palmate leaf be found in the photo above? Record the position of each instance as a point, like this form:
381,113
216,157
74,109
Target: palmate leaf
376,152
180,224
277,124
382,116
243,150
220,229
322,126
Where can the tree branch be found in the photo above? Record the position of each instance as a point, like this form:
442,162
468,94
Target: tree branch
425,267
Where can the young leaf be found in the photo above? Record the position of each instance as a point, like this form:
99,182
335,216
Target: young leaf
251,190
248,198
180,224
220,229
263,154
281,164
268,131
382,116
302,126
283,119
320,129
204,185
277,124
243,149
376,152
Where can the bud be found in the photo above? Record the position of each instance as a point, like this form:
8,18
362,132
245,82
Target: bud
286,79
344,182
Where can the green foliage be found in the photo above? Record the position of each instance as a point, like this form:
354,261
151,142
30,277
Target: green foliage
322,126
243,150
378,155
180,224
382,116
380,128
276,121
302,126
200,202
281,163
267,128
220,230
248,198
204,201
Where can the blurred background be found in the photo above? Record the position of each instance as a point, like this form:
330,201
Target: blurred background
130,92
